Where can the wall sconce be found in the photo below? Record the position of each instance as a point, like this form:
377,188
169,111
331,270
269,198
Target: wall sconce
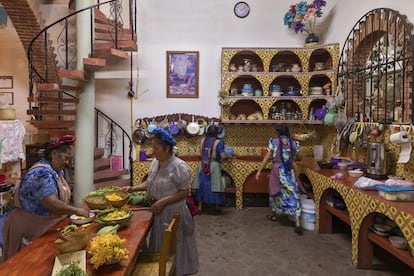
3,17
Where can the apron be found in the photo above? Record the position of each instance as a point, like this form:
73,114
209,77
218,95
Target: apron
21,226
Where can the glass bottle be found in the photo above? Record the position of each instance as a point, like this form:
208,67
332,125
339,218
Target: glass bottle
398,110
311,116
354,156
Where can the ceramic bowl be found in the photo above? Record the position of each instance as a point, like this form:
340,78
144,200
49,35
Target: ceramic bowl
381,229
343,165
79,220
355,173
316,90
398,242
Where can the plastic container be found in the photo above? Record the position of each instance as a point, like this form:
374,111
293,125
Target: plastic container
116,162
396,192
308,217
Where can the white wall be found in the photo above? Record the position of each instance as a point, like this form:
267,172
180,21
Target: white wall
207,26
204,26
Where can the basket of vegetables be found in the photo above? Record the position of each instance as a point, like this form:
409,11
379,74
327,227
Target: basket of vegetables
117,199
114,216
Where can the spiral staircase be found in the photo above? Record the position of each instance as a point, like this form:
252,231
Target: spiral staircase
54,81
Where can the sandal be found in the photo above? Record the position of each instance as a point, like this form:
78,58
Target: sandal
298,230
272,217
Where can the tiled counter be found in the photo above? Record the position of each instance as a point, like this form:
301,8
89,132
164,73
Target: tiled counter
239,168
362,207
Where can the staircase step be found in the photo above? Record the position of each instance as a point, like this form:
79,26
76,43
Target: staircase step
94,64
52,100
50,87
101,17
111,54
105,175
111,37
126,45
52,124
106,28
60,133
117,183
101,163
73,74
98,153
50,112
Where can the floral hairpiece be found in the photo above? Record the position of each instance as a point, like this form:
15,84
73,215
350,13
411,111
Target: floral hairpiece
164,135
65,140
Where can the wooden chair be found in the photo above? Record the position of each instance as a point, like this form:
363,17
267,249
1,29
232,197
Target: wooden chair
164,262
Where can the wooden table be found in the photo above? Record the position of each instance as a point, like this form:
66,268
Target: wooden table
38,257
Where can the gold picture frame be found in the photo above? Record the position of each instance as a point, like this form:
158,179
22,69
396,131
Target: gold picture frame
182,74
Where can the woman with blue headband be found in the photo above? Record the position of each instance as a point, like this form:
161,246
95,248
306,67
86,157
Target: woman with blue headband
168,183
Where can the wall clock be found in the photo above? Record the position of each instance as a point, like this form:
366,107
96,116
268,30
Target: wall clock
241,9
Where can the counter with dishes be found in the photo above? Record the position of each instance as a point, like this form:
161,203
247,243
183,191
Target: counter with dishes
362,209
84,241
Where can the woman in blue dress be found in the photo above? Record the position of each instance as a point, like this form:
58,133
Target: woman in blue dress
210,188
284,195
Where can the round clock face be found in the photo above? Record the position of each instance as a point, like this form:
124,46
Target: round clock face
241,9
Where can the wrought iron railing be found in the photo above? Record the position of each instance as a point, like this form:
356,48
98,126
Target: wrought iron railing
39,46
112,139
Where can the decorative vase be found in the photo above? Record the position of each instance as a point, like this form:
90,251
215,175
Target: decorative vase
311,39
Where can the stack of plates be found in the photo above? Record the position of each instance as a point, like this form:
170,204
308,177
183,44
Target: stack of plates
382,229
316,90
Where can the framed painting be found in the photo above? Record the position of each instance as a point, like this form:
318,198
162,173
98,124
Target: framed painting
6,82
182,74
6,98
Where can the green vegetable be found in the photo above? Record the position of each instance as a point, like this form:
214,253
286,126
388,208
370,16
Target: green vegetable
108,229
139,198
73,269
69,228
104,190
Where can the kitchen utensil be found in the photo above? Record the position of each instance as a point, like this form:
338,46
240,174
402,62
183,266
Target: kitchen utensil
193,127
164,123
203,124
174,129
151,127
376,161
139,136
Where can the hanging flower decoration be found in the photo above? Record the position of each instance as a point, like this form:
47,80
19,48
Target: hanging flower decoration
301,17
